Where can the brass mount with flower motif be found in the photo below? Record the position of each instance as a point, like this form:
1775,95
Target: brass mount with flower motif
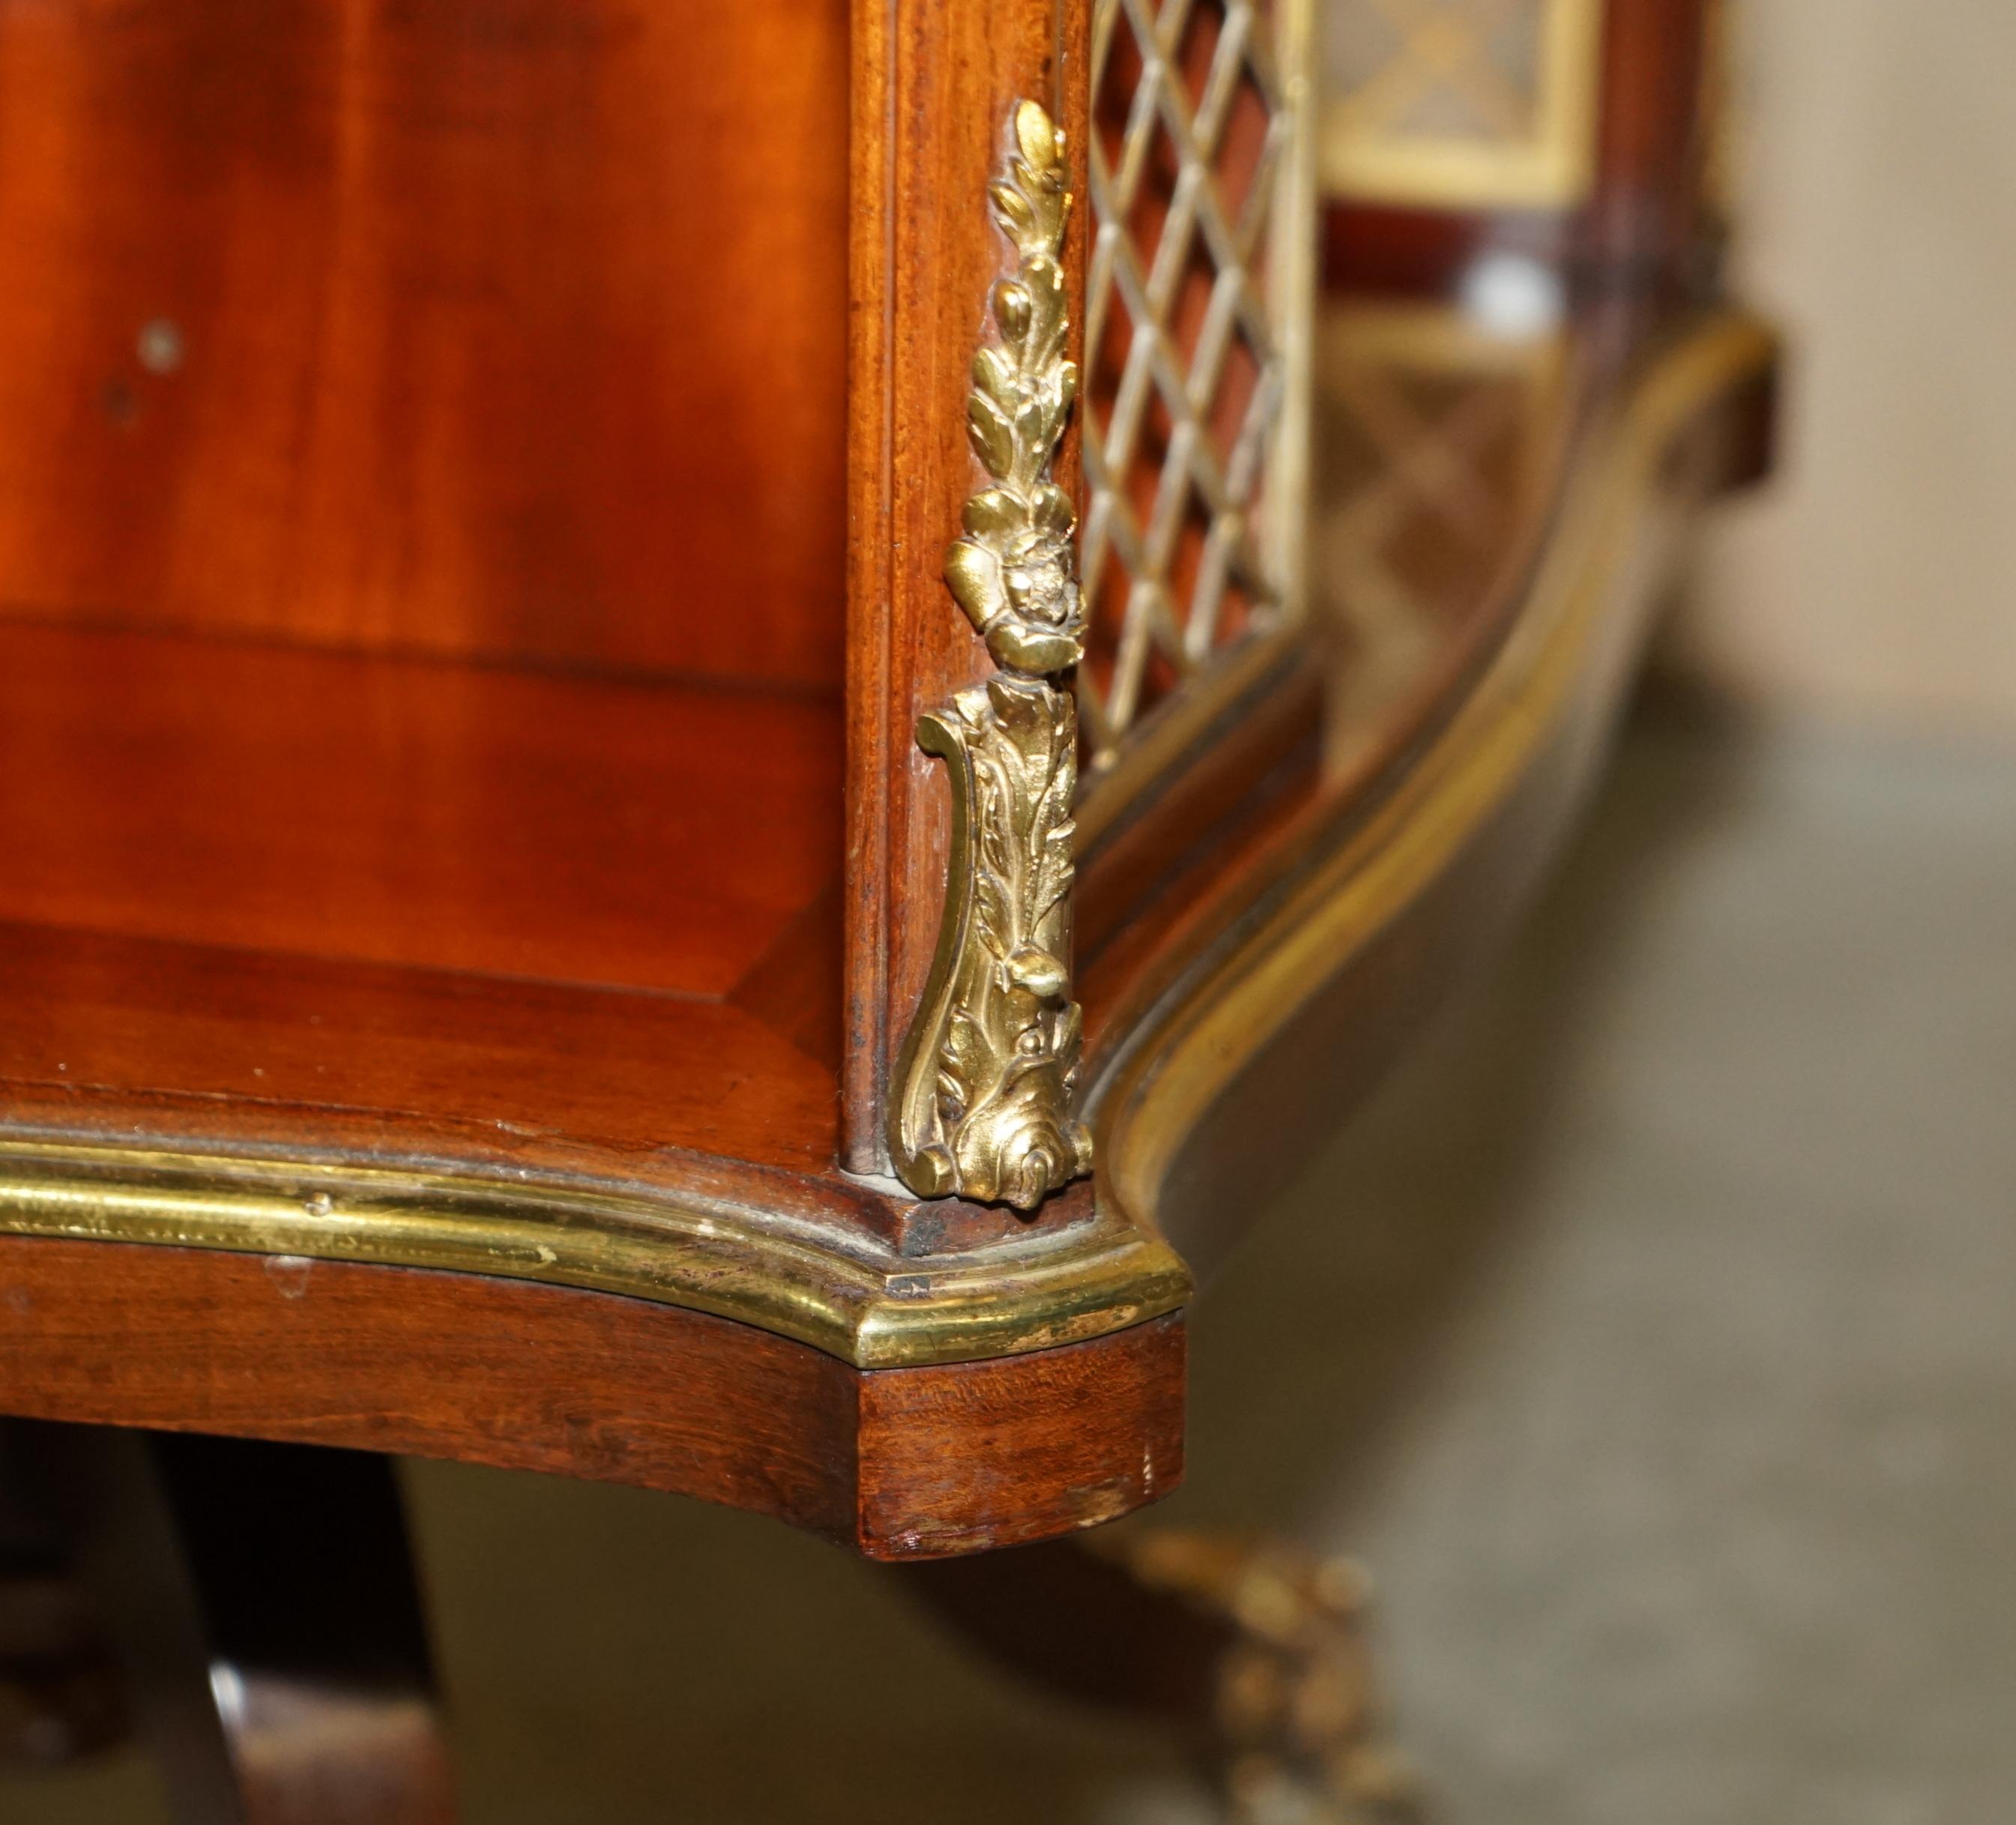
981,1107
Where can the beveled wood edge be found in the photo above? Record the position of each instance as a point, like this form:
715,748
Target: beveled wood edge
1162,1082
866,1307
897,1464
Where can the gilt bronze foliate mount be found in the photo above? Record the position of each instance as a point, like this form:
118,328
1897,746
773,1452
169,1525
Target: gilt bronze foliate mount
982,1104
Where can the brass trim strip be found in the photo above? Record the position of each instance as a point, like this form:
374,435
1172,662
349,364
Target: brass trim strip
873,1311
1167,1081
1296,261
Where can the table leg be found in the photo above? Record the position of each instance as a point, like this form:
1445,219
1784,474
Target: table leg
262,1601
1254,1653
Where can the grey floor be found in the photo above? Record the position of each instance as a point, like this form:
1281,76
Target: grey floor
1654,1339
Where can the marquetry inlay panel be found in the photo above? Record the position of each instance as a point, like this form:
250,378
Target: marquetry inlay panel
1196,341
1461,103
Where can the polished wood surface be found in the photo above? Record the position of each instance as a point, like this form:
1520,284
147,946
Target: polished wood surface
420,561
487,877
1442,453
1649,226
475,327
1240,1044
480,820
365,1061
116,1035
897,1464
414,902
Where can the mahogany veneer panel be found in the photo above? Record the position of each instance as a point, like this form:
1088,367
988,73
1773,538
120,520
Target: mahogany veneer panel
443,816
494,323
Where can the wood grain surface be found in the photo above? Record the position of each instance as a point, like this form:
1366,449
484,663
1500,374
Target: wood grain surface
899,1463
660,836
498,327
111,1036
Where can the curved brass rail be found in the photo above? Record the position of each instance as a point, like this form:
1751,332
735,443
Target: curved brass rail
1165,1079
868,1308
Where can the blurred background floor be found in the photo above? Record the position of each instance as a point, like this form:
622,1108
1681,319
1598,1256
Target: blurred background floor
1653,1339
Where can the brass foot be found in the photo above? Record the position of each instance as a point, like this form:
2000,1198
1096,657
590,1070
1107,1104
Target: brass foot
1295,1736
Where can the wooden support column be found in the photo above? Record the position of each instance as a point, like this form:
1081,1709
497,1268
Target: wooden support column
935,86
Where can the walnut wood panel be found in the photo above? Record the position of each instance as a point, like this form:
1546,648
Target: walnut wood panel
447,817
480,325
1342,1042
934,84
941,1500
955,1461
900,1463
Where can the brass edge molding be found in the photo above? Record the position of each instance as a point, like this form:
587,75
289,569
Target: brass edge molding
1167,1081
873,1314
1552,168
1295,259
980,1105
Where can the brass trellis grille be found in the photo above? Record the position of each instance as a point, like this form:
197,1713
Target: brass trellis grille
1196,336
1461,103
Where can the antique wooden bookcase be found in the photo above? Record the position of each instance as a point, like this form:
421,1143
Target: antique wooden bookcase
687,799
